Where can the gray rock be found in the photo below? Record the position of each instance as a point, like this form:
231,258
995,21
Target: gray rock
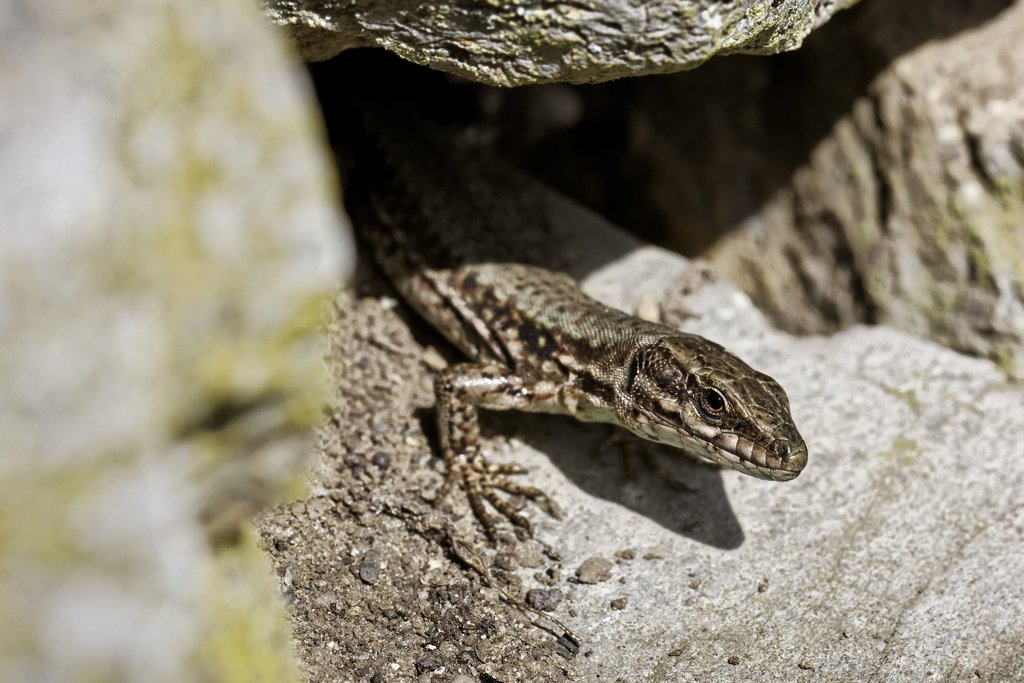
169,230
887,174
910,211
370,566
894,536
881,163
427,663
544,599
526,41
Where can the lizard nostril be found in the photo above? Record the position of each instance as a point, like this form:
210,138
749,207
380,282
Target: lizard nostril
783,450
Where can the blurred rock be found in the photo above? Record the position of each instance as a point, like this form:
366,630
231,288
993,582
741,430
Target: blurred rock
170,227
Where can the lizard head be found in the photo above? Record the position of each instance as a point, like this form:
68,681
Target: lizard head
688,392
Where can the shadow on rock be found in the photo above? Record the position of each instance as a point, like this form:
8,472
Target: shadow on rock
693,503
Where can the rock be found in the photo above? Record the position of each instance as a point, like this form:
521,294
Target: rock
887,490
594,570
170,228
529,554
544,599
909,210
370,566
527,41
428,663
873,176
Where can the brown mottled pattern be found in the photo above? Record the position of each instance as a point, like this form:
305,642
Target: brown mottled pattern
457,249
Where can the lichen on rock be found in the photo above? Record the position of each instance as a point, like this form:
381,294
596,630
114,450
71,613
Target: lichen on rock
526,41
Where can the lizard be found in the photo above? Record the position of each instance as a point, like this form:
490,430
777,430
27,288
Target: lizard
445,235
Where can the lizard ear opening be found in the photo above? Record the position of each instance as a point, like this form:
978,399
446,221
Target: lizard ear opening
632,370
667,376
657,368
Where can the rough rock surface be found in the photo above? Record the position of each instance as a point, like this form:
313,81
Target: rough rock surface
910,211
875,175
526,41
895,556
169,231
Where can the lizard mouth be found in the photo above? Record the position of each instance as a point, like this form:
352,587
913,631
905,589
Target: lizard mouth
783,461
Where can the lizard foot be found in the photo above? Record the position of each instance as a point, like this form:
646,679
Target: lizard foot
481,481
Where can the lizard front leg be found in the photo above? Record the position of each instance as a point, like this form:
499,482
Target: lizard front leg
459,391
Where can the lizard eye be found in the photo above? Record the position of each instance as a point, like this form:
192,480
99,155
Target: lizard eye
712,402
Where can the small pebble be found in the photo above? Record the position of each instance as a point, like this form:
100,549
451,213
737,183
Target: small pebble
627,554
369,566
546,600
428,663
381,460
594,570
357,469
762,585
529,555
620,603
806,665
734,660
678,652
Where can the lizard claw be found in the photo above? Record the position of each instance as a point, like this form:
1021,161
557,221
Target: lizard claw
481,481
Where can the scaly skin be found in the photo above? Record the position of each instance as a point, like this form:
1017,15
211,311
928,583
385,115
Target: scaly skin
536,341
